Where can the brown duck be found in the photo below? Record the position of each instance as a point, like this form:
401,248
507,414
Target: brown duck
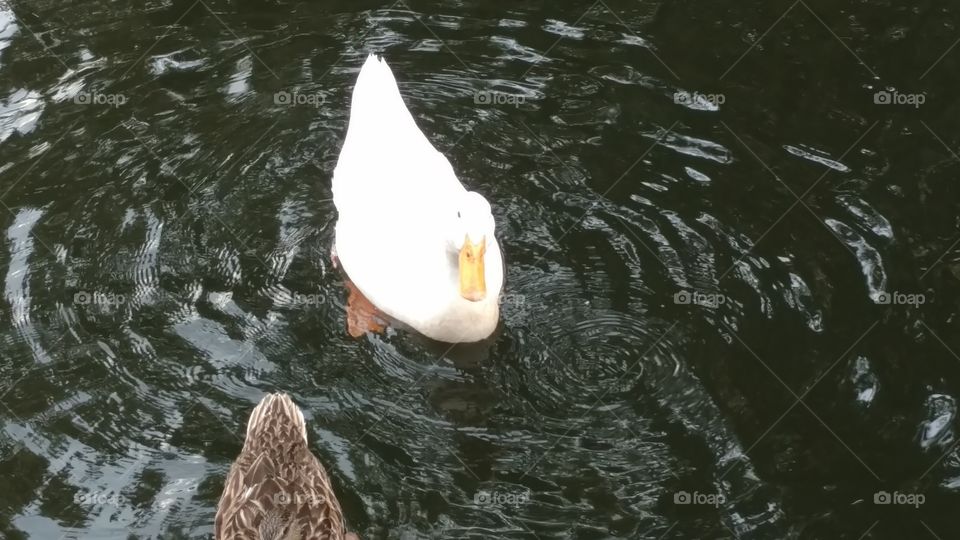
277,489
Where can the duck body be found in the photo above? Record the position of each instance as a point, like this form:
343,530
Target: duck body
277,489
405,221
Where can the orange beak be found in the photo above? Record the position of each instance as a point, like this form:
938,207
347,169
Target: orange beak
473,287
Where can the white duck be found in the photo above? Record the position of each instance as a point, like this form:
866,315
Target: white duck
412,239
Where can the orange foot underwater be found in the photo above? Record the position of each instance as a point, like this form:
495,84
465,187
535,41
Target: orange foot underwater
362,316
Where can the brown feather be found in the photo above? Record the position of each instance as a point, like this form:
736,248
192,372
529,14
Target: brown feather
277,489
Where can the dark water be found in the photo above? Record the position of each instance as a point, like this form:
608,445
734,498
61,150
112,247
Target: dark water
732,273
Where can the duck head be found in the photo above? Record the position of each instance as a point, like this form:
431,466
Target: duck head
471,228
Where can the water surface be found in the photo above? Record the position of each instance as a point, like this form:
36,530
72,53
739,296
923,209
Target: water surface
732,243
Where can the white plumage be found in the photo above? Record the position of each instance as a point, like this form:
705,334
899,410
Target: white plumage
403,216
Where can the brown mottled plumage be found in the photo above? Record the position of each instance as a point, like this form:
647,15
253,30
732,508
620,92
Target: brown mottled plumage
277,489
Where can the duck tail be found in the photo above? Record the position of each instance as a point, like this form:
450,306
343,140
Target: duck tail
376,97
276,413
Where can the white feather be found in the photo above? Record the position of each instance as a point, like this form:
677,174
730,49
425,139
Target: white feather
397,199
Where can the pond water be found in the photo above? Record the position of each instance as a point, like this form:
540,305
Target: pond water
732,253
